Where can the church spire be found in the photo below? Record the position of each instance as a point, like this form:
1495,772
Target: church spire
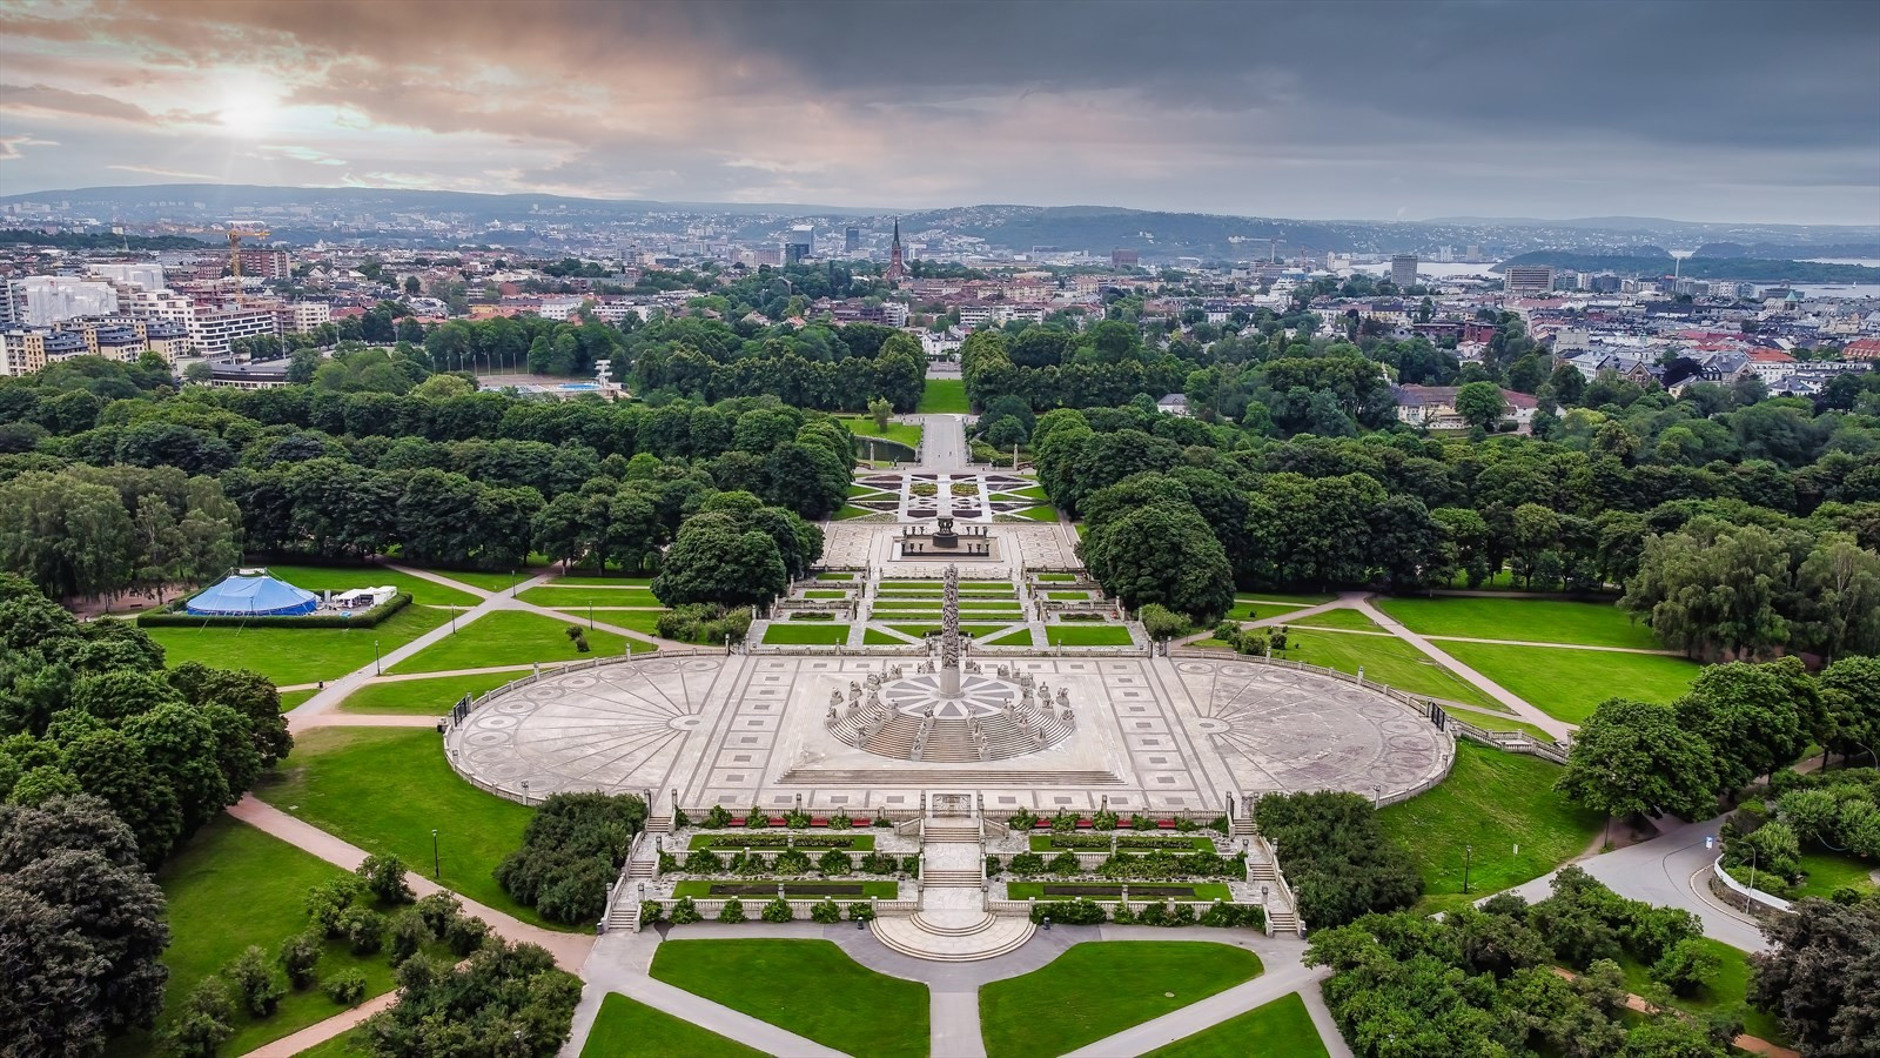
897,266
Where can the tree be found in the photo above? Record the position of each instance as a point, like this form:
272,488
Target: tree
384,877
1481,404
1756,718
879,410
1633,758
714,563
1849,721
82,925
505,1000
1163,553
1823,977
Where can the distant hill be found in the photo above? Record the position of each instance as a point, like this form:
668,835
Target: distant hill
69,240
1741,269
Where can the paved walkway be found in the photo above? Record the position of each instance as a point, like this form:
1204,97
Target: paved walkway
942,442
322,1031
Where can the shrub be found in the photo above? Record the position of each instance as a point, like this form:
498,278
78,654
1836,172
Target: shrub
705,623
408,935
835,861
733,911
793,861
202,1024
685,912
1079,912
1772,848
439,910
1341,863
750,865
650,910
840,821
1141,822
363,928
466,934
1181,915
577,637
1026,864
1064,822
879,863
1686,967
328,900
718,818
1023,821
1154,914
861,911
300,954
796,820
572,851
1123,916
253,981
1225,915
910,866
384,877
882,820
756,818
825,911
993,867
1105,820
346,988
1064,864
703,861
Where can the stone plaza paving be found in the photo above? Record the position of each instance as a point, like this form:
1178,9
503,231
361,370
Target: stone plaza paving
1160,734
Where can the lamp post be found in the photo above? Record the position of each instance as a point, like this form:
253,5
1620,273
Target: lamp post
525,793
378,664
436,869
512,583
1377,795
1468,855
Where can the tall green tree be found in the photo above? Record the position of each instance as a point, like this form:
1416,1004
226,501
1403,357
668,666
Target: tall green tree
1633,758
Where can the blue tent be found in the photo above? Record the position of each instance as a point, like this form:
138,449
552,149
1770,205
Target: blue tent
257,596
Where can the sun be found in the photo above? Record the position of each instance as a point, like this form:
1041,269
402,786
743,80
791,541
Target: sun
249,115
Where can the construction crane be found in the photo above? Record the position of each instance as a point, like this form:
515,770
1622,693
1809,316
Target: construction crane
235,236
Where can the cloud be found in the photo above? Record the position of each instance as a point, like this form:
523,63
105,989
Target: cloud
153,170
46,99
10,146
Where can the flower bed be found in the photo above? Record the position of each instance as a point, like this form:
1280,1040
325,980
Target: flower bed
1105,892
782,840
861,890
1100,842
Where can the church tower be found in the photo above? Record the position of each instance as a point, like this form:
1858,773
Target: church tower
897,267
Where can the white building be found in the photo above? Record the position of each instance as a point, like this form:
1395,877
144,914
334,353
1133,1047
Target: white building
50,299
304,316
214,329
147,275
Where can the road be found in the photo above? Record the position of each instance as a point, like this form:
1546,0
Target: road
942,442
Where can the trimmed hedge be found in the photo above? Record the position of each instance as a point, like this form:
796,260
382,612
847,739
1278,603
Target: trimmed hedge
1081,912
175,617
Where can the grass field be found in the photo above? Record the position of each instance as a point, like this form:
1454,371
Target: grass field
1729,989
510,637
488,580
1826,871
1087,635
1388,660
628,1029
432,697
560,598
1496,722
1568,684
875,637
645,622
1354,620
1493,801
290,699
806,632
296,655
919,630
1043,512
1021,637
806,986
864,426
1098,989
1308,599
825,593
638,580
385,789
1282,1027
339,578
1535,620
232,886
944,395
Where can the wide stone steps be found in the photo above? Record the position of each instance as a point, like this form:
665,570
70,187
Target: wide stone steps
915,937
638,869
954,924
938,832
950,879
912,778
948,741
625,916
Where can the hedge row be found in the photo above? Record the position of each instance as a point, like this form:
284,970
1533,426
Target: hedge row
364,619
1081,912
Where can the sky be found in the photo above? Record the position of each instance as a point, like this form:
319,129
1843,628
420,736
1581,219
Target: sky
1718,111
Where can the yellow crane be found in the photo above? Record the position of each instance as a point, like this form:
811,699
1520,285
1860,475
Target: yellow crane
235,235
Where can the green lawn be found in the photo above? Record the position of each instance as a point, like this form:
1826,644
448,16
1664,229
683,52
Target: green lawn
835,576
864,426
1568,684
1536,620
290,699
338,1047
1827,871
1280,1029
1729,989
385,789
1496,722
1308,599
1020,637
560,598
1087,635
232,886
806,986
488,580
919,630
807,632
849,510
645,622
875,637
1493,801
1354,620
578,581
1097,989
339,578
509,637
825,593
1056,578
432,697
1388,660
1043,512
296,655
629,1029
944,395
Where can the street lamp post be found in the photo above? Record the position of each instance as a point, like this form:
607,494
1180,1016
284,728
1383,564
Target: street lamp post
512,583
378,663
1752,875
436,868
1468,855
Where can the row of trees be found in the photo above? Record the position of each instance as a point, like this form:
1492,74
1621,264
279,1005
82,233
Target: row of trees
1738,721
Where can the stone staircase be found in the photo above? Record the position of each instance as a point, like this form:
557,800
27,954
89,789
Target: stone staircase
947,741
1281,916
952,924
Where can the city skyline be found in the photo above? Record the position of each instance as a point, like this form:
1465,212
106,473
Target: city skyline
1746,112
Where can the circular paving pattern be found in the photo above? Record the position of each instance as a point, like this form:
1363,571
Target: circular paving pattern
981,697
